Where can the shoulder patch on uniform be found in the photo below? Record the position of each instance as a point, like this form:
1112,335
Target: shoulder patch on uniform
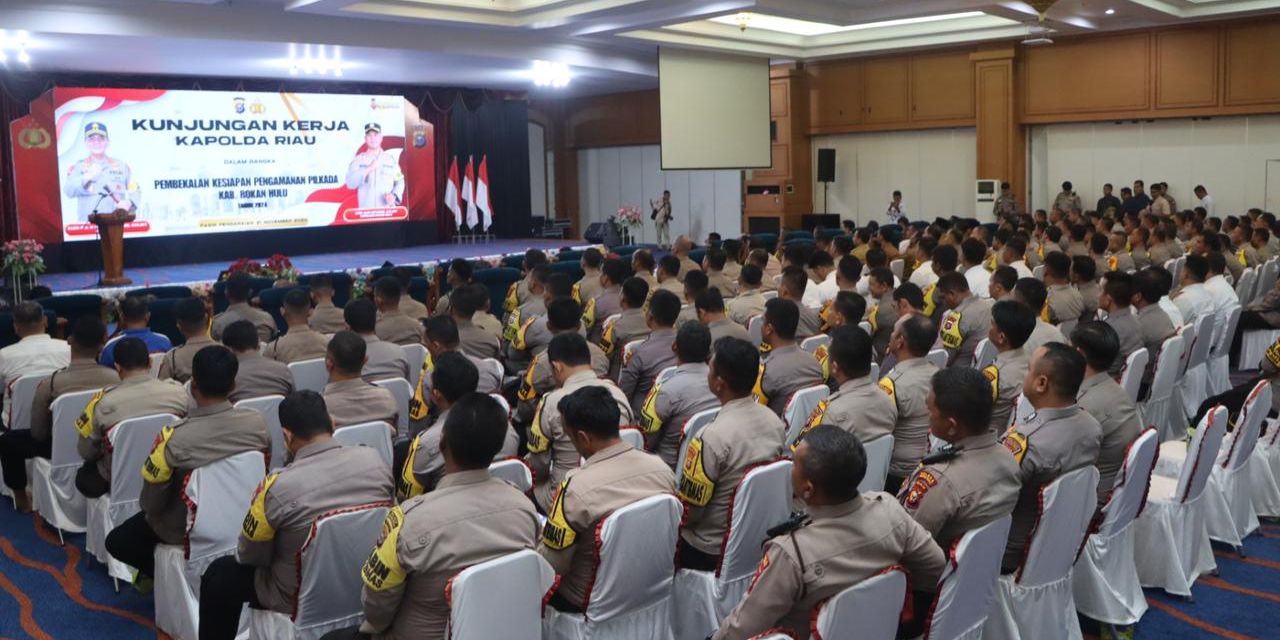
758,390
1273,354
886,385
418,408
155,469
815,418
407,485
255,527
382,570
557,534
992,372
695,487
521,341
528,391
920,484
577,292
510,331
589,314
84,423
650,421
1016,443
760,569
823,354
538,440
513,298
928,298
951,337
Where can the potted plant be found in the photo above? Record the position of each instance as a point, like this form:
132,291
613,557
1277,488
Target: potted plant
22,261
626,218
281,269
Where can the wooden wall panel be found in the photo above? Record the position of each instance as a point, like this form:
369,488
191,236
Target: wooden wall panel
778,101
1186,62
942,87
614,119
885,90
1106,73
835,94
1252,63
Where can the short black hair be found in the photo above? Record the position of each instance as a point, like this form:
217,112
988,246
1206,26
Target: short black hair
88,332
952,282
693,342
361,315
190,313
750,274
709,300
134,308
1015,320
213,371
1058,264
669,265
963,394
238,287
634,291
616,270
1031,292
1065,367
454,375
591,409
1017,244
1217,262
1084,267
820,259
783,316
794,279
297,302
466,301
321,281
1099,243
1099,343
1197,266
850,268
643,259
945,257
461,268
910,292
592,258
563,314
716,258
695,282
834,461
920,333
737,362
538,273
131,354
974,250
533,258
305,414
442,329
388,287
475,430
570,349
240,335
883,275
348,351
850,305
664,306
1118,285
559,285
1005,276
851,349
1151,284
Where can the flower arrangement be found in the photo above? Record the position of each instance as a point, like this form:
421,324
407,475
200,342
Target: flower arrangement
22,261
359,284
626,219
279,267
243,265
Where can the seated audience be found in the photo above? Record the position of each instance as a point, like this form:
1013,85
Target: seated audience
609,301
1101,397
134,320
907,384
883,314
193,324
350,399
1003,279
858,405
965,322
711,312
1192,299
1032,292
680,249
518,293
655,353
326,318
563,316
532,336
1116,299
408,306
1084,276
786,367
256,376
715,266
750,299
34,353
791,287
629,325
238,290
1011,326
588,287
300,341
1063,303
468,304
695,282
669,404
384,359
669,275
393,325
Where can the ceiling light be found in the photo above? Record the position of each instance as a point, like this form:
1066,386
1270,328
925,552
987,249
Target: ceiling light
317,63
17,43
551,74
1110,12
808,28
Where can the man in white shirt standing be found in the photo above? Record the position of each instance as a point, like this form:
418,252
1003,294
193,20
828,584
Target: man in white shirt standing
1206,200
895,213
1193,300
35,352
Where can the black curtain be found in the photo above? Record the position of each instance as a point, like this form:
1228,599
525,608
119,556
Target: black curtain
498,130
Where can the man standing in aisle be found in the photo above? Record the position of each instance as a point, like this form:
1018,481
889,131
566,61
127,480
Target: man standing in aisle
1005,205
661,217
895,213
1108,200
374,173
1206,200
1067,201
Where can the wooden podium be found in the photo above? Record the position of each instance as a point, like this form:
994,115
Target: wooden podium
111,233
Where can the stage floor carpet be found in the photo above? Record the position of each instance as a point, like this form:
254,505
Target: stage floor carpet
208,271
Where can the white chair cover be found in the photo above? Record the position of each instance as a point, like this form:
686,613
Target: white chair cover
984,354
703,599
1253,345
513,584
1038,272
879,451
156,360
1171,543
754,325
415,354
865,326
400,389
376,434
1219,380
1229,513
1131,376
310,375
217,497
769,295
497,370
968,583
812,343
1266,281
53,480
664,374
21,392
1105,579
938,357
1037,601
632,436
1245,287
799,406
131,441
328,596
691,427
630,598
629,349
869,609
1192,387
1264,489
896,265
269,407
515,472
1159,410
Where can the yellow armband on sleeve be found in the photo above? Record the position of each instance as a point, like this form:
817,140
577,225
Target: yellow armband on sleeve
84,423
650,421
382,570
538,441
256,528
993,374
557,534
695,487
156,470
407,485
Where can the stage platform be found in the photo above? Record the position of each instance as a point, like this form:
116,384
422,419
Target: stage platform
207,272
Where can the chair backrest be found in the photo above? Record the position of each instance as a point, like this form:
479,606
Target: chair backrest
1066,506
968,581
309,375
1245,287
1245,436
493,364
629,349
664,374
1201,454
21,392
754,325
1226,331
636,548
156,359
769,295
65,409
403,392
269,407
812,343
333,553
1188,334
1038,272
1266,281
896,266
984,354
865,326
131,442
414,354
799,406
761,501
879,451
1169,367
515,472
1022,410
1131,375
514,584
938,357
376,434
501,401
218,496
632,436
1129,493
868,609
1203,340
697,422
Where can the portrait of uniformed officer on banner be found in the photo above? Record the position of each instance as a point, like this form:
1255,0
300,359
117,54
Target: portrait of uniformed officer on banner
375,174
99,183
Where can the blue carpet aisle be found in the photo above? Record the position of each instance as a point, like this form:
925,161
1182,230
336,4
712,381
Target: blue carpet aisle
52,592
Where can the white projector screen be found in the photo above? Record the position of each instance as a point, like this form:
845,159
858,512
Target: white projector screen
715,110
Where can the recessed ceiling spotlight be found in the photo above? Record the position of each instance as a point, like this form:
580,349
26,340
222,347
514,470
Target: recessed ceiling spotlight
1110,12
551,74
303,61
17,43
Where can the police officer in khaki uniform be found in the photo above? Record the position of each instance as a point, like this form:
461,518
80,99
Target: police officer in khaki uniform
322,476
563,316
792,287
213,430
442,338
710,309
655,353
907,385
884,313
694,284
683,245
393,325
742,435
256,376
137,394
238,290
526,332
629,325
1084,277
1067,201
589,421
1032,292
670,403
551,449
1117,293
470,518
518,292
842,538
1005,204
1011,325
374,173
750,300
466,309
383,360
193,323
608,301
714,265
588,286
100,183
300,342
326,318
966,320
1153,321
858,406
786,368
668,278
1059,437
642,266
1063,304
350,399
1103,398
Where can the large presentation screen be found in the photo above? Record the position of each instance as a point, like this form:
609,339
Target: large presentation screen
188,162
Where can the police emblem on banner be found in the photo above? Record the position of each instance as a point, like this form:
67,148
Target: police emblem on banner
34,137
238,104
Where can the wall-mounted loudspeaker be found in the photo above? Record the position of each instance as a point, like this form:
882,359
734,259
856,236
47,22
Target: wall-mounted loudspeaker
826,165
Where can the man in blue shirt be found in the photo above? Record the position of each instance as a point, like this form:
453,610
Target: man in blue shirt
134,318
1139,201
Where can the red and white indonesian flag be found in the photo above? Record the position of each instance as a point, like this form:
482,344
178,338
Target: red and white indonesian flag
482,192
451,194
469,193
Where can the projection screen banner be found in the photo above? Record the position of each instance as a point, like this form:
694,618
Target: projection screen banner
715,110
213,161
